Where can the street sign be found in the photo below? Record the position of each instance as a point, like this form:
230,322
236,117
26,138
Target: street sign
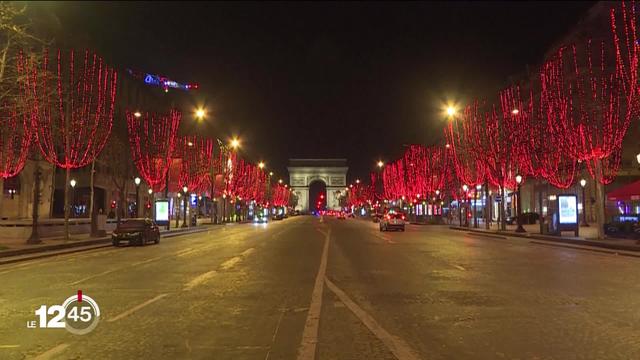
498,198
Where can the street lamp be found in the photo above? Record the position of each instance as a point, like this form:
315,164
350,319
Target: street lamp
270,173
465,188
475,205
200,114
137,114
519,229
280,181
380,164
583,184
235,143
357,181
73,183
137,182
151,209
184,211
261,165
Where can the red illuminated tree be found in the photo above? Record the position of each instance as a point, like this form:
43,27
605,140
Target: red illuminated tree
152,139
74,112
16,128
195,154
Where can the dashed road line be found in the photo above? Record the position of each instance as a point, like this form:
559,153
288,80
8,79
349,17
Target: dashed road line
307,349
51,352
459,267
396,345
136,308
200,279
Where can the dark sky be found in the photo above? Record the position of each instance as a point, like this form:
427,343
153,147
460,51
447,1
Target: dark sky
352,80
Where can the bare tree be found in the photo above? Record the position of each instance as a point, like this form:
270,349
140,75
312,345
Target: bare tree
116,159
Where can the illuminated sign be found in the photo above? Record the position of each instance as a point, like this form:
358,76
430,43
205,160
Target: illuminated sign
568,209
162,211
160,81
194,200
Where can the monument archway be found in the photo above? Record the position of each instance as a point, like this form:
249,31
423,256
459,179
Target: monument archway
332,172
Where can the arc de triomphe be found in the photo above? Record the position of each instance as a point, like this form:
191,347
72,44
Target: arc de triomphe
303,172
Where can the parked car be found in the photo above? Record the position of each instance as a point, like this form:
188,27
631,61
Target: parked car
392,221
278,217
136,232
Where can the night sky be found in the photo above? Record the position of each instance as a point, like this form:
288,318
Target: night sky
352,80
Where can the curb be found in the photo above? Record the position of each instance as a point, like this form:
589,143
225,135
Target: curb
583,242
49,251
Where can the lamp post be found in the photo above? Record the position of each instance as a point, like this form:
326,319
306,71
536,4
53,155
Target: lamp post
465,188
73,183
151,203
475,205
137,182
583,184
519,229
184,210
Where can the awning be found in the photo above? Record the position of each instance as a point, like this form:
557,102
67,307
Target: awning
627,192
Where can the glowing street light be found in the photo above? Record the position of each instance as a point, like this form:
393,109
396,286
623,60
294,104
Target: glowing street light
73,183
235,143
519,229
150,191
380,164
261,165
280,181
583,184
200,114
515,111
270,173
137,114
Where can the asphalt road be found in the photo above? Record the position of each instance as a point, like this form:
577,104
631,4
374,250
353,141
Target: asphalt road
306,288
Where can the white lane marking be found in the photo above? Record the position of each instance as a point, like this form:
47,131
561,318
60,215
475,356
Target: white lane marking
307,349
200,279
247,252
275,334
386,239
51,352
136,308
230,263
397,346
459,267
8,346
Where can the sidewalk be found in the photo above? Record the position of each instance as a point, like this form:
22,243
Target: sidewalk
588,236
11,247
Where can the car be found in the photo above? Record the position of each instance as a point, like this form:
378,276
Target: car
341,216
278,217
136,231
260,218
392,221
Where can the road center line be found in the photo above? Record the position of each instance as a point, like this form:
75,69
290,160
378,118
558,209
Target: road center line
51,352
400,349
307,349
199,280
136,308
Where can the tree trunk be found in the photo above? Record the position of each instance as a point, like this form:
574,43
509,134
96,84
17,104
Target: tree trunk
503,220
66,204
92,207
35,237
1,195
53,190
541,216
600,199
487,209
